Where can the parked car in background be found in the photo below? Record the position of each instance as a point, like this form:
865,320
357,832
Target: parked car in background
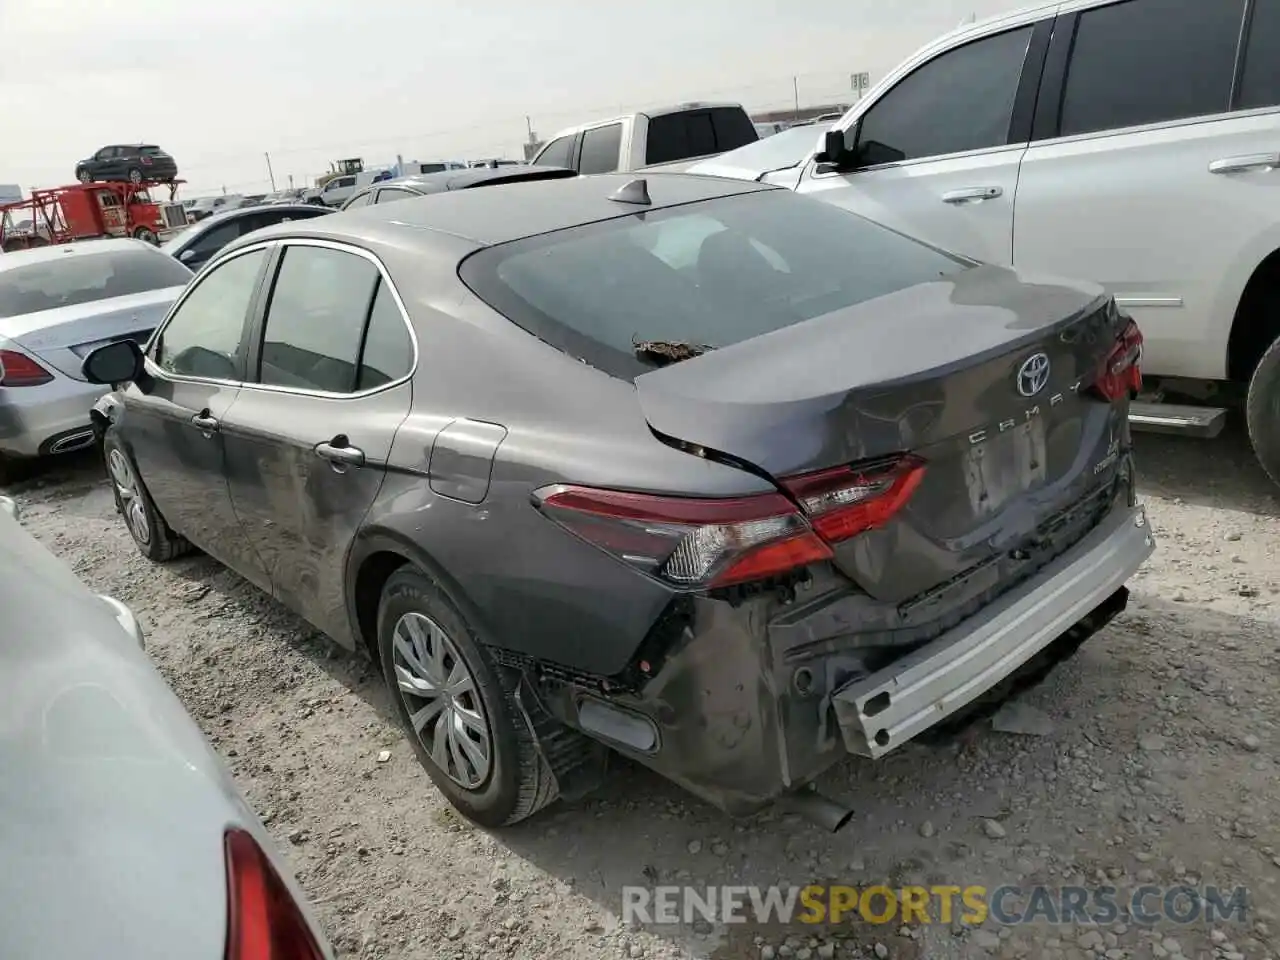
56,304
566,456
124,836
198,243
1079,122
207,206
405,188
134,162
669,136
285,196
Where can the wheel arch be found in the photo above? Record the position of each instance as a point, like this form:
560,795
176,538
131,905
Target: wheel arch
375,556
1256,324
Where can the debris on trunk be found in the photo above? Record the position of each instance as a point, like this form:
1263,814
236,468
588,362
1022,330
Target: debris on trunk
668,351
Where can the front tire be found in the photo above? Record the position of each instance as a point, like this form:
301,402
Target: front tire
84,176
147,235
154,538
458,706
135,175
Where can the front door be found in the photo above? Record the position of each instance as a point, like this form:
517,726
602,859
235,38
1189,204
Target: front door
936,155
174,429
308,438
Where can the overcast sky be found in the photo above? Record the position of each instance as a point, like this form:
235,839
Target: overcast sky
309,81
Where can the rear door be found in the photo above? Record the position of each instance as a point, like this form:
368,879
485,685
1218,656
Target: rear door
308,439
174,429
936,155
1156,169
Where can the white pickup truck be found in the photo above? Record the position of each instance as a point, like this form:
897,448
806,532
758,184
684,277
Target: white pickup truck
670,137
1131,142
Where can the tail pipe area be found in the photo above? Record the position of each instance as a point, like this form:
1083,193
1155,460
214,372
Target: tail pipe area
819,810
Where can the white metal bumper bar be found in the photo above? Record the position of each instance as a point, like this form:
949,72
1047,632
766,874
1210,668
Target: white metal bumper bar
883,711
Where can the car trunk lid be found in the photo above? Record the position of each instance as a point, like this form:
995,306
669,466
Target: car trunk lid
64,336
981,375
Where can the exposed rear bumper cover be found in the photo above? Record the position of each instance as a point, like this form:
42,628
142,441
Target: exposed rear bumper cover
879,713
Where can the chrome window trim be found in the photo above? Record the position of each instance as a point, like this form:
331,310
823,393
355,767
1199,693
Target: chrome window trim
285,242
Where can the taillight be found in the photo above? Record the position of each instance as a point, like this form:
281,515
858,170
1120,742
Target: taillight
263,921
19,370
146,161
1120,374
705,543
847,501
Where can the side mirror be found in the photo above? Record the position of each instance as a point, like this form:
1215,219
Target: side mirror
114,363
187,255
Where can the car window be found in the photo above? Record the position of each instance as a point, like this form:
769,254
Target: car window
359,200
205,335
388,351
733,128
715,273
679,136
84,277
1260,86
214,240
961,100
316,318
600,148
557,153
1150,61
391,194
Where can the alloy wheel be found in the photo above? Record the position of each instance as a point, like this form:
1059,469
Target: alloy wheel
441,698
131,505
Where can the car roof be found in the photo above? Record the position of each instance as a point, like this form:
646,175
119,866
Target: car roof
506,212
22,258
444,180
308,208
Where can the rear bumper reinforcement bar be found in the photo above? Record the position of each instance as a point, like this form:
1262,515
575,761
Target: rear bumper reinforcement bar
881,712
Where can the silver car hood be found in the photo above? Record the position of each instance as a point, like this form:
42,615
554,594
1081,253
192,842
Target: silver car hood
782,151
112,804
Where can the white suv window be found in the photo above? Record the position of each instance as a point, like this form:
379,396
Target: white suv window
962,100
1260,85
1150,61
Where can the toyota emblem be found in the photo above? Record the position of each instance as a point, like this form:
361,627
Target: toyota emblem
1033,374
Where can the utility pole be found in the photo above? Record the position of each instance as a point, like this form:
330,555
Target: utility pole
271,176
528,126
795,88
291,181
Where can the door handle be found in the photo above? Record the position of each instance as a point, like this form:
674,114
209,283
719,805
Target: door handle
340,454
205,422
972,194
1257,161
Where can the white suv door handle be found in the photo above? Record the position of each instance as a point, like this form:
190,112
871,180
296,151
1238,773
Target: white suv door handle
972,194
1258,161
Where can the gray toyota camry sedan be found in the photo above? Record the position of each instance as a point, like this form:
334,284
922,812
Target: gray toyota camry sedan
724,479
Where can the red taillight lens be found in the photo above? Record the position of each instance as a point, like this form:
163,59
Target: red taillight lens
847,501
701,543
146,161
263,922
1120,374
19,370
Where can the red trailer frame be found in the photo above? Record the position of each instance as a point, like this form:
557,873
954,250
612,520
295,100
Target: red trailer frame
84,211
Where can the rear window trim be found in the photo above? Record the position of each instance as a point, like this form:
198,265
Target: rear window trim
573,344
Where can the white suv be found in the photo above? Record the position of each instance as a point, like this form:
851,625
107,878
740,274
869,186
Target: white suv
1134,143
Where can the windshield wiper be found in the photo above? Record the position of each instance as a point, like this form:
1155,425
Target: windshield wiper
663,352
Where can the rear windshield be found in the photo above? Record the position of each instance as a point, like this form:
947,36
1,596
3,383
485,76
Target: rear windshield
709,274
697,133
85,277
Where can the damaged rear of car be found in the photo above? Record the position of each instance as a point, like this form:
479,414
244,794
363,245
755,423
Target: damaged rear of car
945,483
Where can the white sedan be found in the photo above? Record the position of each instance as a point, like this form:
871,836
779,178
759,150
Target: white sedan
121,833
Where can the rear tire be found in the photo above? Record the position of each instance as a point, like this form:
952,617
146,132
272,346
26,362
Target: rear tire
498,777
1262,411
154,537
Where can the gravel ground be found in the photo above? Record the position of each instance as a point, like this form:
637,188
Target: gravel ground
1160,766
